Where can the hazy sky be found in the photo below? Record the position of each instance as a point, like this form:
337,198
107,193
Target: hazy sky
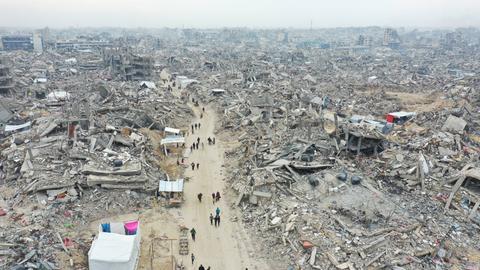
239,13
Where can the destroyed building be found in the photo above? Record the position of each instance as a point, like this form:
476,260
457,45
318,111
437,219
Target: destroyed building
6,80
128,66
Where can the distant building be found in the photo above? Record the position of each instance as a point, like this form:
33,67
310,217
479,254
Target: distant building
6,80
391,38
364,41
17,42
452,40
37,43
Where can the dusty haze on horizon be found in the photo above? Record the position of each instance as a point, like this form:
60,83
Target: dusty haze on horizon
239,13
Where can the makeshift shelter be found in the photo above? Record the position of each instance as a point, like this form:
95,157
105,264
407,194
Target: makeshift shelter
117,246
400,117
172,190
177,140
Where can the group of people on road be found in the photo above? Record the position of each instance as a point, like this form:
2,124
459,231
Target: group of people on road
211,140
215,220
196,126
193,166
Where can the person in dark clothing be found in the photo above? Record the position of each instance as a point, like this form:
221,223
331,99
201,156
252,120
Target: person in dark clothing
197,145
191,148
209,140
199,123
199,196
178,162
192,130
195,125
216,220
211,219
193,258
198,139
201,115
217,196
213,197
198,165
193,166
201,267
213,140
208,268
203,109
193,233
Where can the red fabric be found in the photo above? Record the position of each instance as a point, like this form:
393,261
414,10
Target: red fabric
390,118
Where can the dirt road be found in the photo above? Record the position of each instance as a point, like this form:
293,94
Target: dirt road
227,246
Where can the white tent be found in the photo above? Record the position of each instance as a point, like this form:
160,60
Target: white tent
112,250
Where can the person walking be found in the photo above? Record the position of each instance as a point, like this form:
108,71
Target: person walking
201,115
203,109
191,148
209,140
217,211
199,123
198,139
213,197
203,146
192,129
201,267
199,196
216,220
213,140
197,145
217,196
193,166
195,125
193,233
211,219
193,258
198,165
208,268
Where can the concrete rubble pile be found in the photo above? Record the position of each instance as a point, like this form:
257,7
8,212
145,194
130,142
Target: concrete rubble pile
75,146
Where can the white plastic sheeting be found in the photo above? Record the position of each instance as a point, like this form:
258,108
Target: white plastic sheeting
172,139
170,186
114,251
172,130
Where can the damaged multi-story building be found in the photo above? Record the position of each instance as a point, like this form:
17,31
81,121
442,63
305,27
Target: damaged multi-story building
6,80
127,65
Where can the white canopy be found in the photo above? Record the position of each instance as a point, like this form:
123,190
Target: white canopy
170,186
172,139
172,130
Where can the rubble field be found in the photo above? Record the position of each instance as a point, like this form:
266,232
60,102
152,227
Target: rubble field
341,157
